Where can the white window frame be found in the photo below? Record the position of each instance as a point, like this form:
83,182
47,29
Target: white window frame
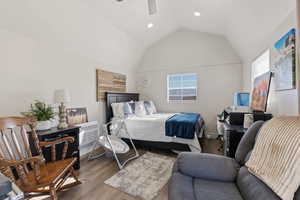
181,101
256,63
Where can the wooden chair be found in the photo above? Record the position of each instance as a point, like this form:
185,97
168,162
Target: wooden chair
33,176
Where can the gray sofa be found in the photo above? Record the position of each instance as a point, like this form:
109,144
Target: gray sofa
5,186
199,176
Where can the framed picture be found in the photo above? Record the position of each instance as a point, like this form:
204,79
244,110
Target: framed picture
109,82
77,116
260,92
285,62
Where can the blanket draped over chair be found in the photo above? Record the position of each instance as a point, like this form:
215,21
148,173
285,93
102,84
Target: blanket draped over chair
276,156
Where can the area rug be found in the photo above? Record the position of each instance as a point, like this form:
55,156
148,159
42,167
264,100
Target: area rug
143,177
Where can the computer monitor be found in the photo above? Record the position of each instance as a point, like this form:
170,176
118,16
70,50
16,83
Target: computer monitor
260,92
242,99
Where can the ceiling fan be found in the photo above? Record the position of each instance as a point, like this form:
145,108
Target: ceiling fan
152,6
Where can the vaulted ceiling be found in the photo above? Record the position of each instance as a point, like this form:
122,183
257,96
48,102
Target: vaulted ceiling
132,16
241,21
81,22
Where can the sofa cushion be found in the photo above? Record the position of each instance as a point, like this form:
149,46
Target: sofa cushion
215,190
247,143
175,167
208,166
181,187
248,156
252,188
5,186
297,195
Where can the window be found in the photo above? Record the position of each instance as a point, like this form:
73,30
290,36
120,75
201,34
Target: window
261,65
182,87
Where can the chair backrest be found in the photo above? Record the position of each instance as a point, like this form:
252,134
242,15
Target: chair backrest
14,147
243,154
247,142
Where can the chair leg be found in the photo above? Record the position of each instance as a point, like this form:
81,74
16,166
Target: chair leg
69,185
75,175
53,193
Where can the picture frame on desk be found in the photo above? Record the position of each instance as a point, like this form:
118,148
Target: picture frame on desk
76,116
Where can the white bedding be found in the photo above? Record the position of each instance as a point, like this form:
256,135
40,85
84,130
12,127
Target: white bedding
152,128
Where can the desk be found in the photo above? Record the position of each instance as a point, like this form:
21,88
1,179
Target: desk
231,126
232,137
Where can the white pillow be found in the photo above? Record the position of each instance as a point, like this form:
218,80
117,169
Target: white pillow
127,110
118,110
150,107
140,109
153,107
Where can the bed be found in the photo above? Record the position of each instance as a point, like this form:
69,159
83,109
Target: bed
150,130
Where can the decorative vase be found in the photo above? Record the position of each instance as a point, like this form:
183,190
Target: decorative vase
54,123
43,125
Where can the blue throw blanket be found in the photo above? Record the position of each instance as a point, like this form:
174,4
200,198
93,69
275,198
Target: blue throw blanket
182,125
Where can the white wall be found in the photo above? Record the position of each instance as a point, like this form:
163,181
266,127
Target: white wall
48,45
251,22
210,56
281,102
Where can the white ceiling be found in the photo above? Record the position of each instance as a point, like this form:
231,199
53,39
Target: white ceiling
243,22
132,16
252,22
234,19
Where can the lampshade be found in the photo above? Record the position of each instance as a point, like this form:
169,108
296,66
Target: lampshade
62,96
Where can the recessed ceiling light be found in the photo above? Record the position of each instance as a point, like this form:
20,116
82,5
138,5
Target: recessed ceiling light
150,25
197,14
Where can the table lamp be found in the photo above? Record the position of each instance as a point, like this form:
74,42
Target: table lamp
62,97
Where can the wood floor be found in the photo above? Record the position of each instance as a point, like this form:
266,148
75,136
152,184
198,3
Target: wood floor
94,173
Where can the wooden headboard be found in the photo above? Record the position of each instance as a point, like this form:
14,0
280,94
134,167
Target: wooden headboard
115,97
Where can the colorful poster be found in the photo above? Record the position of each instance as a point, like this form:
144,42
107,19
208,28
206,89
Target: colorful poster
285,62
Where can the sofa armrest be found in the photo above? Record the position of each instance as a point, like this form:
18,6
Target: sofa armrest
207,166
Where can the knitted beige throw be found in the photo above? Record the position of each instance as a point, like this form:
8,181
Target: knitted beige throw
276,156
